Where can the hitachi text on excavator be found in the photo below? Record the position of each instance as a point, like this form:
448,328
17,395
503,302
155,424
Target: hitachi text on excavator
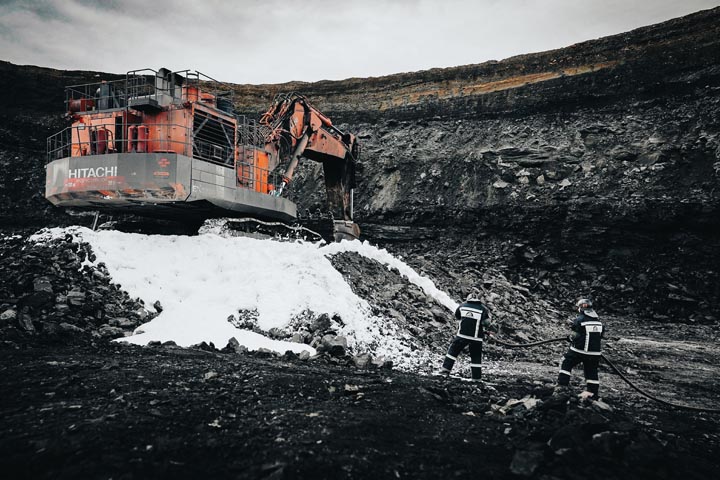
169,145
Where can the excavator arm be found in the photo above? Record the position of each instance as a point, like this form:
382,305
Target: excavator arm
297,129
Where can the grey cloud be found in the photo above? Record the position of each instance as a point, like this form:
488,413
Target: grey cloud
270,41
45,10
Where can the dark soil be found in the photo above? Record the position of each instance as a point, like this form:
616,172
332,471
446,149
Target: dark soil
76,405
109,411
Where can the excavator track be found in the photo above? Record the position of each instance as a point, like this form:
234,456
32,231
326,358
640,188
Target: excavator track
255,228
313,230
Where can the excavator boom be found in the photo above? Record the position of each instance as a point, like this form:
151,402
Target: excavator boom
298,129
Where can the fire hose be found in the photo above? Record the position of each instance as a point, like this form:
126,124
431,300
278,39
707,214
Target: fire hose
614,368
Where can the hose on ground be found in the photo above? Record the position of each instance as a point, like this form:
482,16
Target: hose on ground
615,369
523,345
651,397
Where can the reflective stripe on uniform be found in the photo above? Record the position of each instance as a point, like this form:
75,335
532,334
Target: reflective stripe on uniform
450,357
592,322
468,337
478,365
584,352
565,372
593,381
470,312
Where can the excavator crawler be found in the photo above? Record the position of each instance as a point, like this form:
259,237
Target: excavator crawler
168,145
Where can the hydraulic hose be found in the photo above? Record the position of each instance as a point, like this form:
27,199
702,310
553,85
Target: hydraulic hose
615,369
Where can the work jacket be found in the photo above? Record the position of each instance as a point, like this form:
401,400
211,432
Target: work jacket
588,333
474,317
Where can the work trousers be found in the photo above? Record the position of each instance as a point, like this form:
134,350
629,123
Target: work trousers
590,366
457,346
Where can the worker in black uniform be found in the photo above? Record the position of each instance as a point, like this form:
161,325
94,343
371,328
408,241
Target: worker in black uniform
474,318
585,347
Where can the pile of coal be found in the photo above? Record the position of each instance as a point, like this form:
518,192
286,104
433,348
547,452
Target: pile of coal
51,294
519,315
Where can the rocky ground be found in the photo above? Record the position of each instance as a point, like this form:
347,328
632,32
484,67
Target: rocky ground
81,406
105,411
591,170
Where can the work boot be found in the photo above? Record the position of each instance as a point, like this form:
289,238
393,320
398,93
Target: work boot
443,372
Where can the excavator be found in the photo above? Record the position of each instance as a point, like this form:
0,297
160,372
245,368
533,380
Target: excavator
169,145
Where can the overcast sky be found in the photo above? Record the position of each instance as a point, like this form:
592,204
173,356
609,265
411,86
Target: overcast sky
274,41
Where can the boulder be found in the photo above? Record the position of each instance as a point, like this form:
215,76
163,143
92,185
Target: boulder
26,323
108,331
122,322
76,297
69,328
362,360
334,345
42,284
320,324
8,315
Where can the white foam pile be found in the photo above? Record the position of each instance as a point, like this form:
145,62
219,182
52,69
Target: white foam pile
201,280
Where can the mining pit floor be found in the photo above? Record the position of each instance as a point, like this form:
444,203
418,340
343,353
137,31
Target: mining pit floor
106,410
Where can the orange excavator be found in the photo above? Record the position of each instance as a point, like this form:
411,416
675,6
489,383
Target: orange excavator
169,145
